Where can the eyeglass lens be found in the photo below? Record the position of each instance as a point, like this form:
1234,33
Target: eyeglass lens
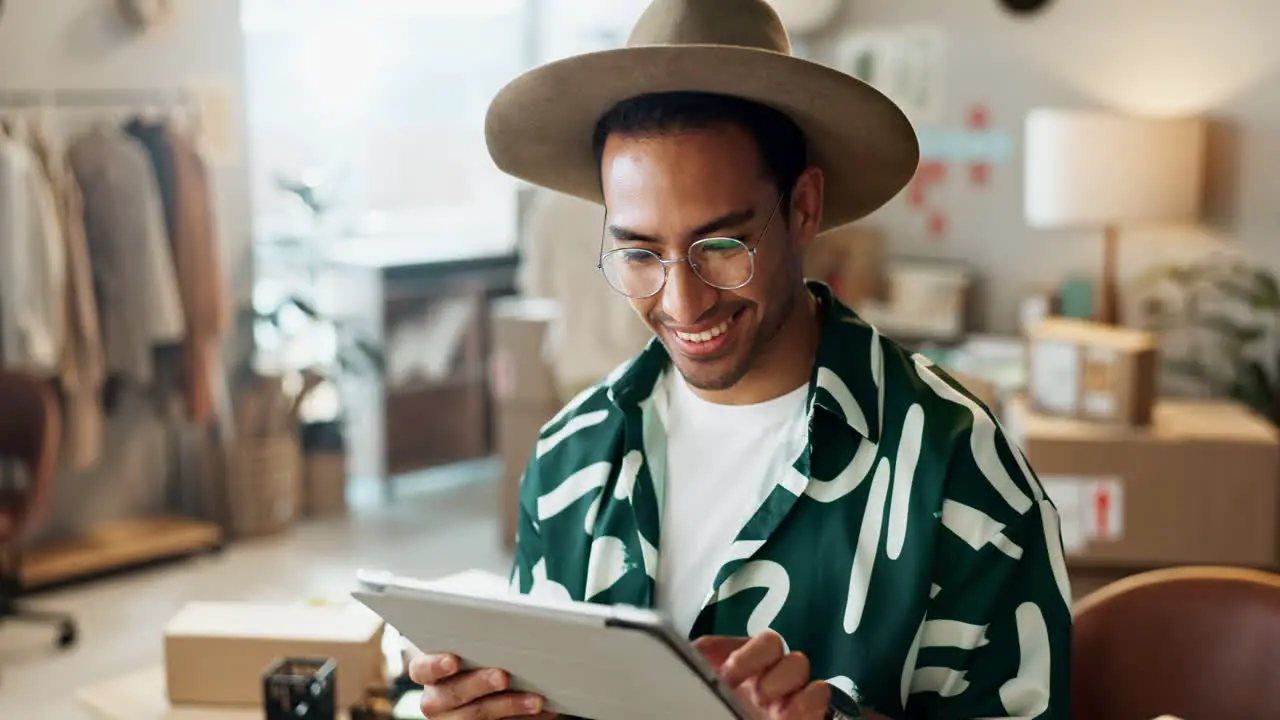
723,263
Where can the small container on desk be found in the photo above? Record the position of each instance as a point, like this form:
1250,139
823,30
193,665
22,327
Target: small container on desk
295,688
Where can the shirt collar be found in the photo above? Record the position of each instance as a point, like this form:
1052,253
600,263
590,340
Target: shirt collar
847,380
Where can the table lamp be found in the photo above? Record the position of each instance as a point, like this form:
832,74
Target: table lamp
1098,170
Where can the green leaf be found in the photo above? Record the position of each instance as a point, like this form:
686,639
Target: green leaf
1231,330
1246,391
373,355
305,306
1268,290
1185,368
1237,290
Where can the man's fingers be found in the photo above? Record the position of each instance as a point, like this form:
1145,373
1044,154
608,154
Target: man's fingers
787,677
455,692
758,654
812,701
431,668
496,707
717,648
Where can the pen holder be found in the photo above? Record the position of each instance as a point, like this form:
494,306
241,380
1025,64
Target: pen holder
296,688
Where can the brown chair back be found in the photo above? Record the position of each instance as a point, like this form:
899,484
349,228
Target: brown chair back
1198,643
30,425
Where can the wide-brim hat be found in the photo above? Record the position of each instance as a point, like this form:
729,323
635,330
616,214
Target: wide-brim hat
539,127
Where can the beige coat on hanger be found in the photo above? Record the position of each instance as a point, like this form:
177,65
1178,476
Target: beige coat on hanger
83,368
32,265
139,304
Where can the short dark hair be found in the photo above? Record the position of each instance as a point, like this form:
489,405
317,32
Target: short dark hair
783,148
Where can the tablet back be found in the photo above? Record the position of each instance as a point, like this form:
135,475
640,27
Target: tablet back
597,663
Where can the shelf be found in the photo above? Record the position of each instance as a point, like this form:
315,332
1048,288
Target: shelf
115,546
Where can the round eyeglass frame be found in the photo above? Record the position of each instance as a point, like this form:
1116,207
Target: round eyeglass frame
666,264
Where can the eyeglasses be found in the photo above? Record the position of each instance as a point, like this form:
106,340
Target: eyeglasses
723,263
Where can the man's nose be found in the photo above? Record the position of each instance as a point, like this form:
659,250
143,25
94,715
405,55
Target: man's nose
685,297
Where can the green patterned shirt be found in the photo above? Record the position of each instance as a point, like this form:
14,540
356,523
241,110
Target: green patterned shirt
910,553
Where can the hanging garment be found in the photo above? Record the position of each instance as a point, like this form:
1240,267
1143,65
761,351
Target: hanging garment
83,367
139,307
189,211
32,266
597,330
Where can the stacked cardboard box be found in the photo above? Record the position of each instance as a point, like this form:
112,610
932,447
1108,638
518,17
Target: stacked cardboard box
524,391
1081,369
851,260
1139,481
1199,485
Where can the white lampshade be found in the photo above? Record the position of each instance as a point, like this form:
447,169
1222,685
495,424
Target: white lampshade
1094,169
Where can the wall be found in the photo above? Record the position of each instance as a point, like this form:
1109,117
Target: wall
81,44
1149,56
1217,59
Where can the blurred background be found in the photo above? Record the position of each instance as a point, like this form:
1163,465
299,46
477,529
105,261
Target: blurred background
293,322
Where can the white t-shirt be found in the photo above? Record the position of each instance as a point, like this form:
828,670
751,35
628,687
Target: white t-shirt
721,462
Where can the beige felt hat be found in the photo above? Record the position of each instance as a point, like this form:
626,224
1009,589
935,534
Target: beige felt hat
539,127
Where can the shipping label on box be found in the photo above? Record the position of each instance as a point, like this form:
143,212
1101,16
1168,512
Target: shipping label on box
1199,485
1090,509
1055,367
1092,372
1099,382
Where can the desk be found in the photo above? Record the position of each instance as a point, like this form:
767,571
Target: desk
141,696
389,289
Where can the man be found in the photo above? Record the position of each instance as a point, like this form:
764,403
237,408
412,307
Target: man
842,528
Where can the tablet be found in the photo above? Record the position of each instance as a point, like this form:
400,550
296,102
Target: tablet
588,661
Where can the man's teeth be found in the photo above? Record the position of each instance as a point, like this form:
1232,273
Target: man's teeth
705,335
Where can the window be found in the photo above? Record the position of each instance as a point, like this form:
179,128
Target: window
381,104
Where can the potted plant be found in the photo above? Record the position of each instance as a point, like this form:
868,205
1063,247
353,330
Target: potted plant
1219,320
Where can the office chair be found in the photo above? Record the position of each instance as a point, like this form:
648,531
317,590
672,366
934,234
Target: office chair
1192,642
30,427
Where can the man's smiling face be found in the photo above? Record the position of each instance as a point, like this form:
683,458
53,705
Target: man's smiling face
665,191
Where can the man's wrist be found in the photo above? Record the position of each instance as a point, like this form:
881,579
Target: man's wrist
842,712
843,707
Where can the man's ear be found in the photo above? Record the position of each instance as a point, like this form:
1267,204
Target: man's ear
806,206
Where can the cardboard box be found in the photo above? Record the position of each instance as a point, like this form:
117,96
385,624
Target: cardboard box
1200,485
851,260
525,392
1076,368
215,652
518,427
519,370
325,484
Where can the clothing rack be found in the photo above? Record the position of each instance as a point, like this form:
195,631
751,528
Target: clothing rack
116,545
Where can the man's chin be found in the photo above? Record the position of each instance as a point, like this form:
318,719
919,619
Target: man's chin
710,374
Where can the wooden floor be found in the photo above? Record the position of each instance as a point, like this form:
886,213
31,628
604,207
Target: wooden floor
440,525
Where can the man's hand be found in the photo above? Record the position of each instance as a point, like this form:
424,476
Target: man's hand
772,683
473,695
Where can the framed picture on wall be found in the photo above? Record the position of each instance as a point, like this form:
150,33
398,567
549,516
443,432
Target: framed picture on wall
908,64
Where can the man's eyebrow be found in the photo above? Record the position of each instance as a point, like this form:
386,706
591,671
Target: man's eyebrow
727,221
617,232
